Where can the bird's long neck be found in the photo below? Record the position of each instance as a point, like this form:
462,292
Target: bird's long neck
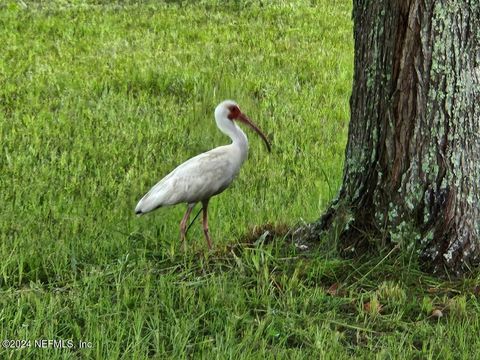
233,131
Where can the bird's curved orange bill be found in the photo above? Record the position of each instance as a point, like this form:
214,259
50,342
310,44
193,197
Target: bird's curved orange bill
243,118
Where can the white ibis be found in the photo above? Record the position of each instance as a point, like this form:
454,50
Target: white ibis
205,175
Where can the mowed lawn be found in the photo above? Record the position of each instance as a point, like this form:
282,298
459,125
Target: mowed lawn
100,101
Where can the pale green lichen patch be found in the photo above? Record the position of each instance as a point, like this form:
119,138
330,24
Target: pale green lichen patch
405,234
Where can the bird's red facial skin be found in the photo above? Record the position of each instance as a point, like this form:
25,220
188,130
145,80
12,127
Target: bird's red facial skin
234,112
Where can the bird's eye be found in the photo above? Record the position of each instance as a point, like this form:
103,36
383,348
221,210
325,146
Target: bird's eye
234,111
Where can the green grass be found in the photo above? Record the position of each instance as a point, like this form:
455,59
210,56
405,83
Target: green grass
99,101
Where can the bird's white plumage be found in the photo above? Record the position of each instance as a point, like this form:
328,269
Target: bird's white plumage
204,175
199,178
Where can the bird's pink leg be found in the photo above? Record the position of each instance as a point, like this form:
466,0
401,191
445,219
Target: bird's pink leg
205,223
183,223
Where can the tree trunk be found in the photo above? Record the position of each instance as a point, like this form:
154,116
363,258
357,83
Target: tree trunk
412,167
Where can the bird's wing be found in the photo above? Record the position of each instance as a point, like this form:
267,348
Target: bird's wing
197,179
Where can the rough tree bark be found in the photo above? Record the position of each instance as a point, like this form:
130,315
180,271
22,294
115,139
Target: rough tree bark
412,167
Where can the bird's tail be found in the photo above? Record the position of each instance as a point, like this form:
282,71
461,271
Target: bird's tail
144,206
138,209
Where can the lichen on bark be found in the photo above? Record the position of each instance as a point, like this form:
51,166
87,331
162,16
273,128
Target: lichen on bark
412,169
